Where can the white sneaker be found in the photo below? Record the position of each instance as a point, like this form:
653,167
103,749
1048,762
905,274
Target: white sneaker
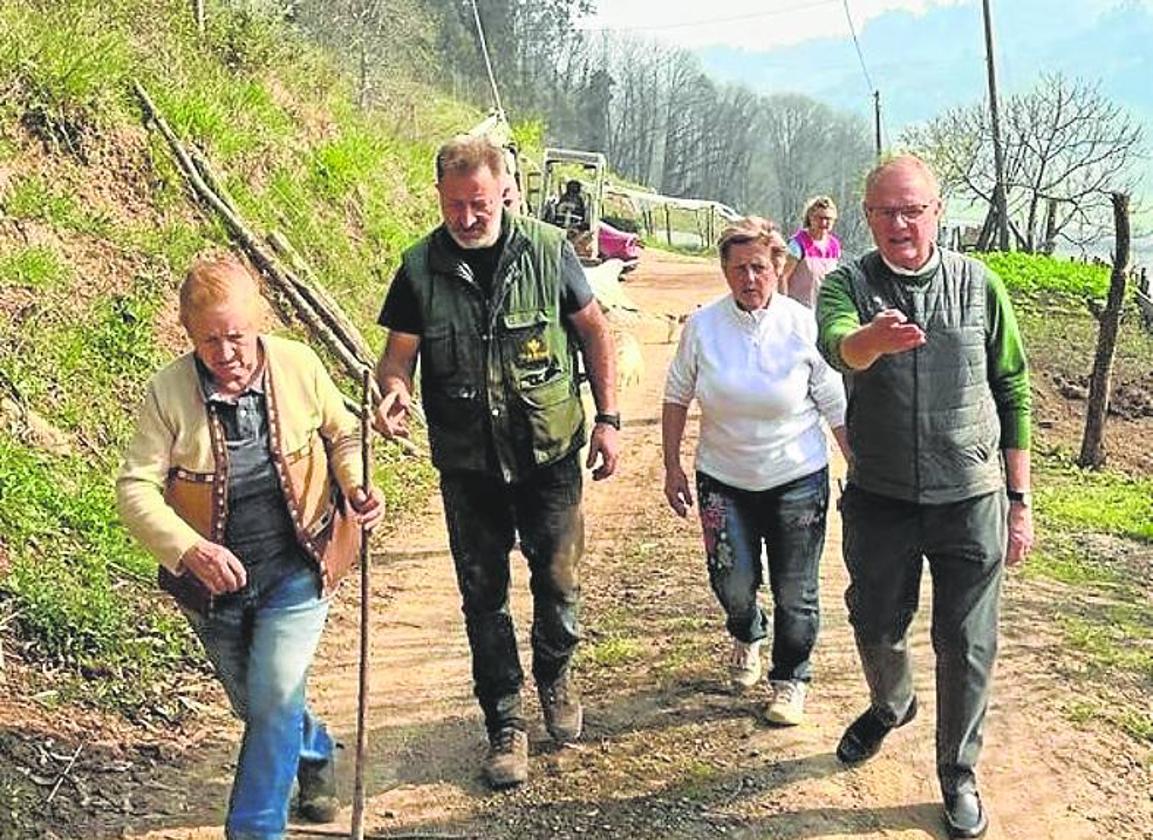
745,665
787,708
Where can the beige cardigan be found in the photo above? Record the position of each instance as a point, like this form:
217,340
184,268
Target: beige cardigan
173,484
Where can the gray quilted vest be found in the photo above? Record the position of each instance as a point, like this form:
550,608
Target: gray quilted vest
922,424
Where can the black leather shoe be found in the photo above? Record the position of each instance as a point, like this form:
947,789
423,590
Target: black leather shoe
965,815
862,740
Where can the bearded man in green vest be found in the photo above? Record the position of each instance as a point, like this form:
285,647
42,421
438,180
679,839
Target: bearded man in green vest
938,424
497,307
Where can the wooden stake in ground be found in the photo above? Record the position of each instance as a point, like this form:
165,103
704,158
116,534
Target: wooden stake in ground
1093,443
362,694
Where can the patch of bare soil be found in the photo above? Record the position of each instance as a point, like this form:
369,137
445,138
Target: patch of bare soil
1059,405
668,752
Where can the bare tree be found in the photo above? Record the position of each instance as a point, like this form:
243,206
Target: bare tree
374,38
1066,148
808,149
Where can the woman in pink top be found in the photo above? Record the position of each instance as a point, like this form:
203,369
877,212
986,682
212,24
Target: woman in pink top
813,251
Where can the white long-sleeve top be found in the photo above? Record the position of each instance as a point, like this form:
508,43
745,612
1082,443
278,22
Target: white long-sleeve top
762,389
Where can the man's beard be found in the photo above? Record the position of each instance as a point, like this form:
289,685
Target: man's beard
486,241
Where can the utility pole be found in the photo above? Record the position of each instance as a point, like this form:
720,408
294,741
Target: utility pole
1000,204
877,120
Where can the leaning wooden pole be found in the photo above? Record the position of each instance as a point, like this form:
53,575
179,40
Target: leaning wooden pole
1093,443
251,244
365,592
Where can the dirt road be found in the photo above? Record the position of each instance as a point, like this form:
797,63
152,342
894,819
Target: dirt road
668,752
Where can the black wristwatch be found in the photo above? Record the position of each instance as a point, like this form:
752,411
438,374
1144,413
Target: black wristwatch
1021,497
613,420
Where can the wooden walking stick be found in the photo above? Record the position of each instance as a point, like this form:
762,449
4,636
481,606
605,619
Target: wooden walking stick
362,694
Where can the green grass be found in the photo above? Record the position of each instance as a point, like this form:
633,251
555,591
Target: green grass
38,267
1106,614
698,781
1077,500
1026,274
74,570
612,652
1094,527
31,197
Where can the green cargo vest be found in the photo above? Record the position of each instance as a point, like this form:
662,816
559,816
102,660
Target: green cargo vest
498,374
922,424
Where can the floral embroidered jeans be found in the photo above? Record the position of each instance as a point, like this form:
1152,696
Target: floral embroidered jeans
788,522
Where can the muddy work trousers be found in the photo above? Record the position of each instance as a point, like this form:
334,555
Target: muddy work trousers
886,542
485,517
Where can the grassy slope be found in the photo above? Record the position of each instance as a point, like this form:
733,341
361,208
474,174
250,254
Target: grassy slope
1095,528
95,229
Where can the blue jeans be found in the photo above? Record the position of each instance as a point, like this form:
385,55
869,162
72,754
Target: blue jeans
789,521
261,641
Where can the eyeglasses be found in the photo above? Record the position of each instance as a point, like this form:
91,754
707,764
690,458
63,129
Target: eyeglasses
910,212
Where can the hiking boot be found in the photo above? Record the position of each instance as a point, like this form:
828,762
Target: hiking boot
744,665
317,780
507,762
863,739
563,714
787,708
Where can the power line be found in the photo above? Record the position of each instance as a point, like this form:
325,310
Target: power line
487,60
873,90
857,44
710,21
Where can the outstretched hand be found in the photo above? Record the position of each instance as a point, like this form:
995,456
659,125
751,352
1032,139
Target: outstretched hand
891,332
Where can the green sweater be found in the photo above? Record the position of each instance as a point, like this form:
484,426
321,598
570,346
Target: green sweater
837,316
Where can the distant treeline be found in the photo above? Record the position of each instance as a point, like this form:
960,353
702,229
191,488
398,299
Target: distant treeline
660,119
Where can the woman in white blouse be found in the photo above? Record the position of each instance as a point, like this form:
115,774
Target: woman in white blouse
751,362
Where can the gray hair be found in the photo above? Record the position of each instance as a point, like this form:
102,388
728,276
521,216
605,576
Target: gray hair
466,153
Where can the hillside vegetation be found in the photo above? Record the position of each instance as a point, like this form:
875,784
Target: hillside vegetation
96,228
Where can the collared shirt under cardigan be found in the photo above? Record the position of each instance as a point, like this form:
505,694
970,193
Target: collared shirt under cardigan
313,438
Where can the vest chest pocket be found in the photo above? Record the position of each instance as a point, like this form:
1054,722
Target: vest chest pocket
438,351
532,361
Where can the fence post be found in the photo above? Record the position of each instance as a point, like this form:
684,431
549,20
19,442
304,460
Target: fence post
1093,443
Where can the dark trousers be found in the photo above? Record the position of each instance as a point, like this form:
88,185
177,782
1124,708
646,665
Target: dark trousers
885,544
484,517
789,521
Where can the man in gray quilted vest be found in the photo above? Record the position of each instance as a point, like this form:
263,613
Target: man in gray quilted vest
938,424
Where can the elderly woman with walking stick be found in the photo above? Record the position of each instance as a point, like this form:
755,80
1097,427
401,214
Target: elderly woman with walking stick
244,480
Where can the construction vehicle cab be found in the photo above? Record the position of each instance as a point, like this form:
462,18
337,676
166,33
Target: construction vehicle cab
570,195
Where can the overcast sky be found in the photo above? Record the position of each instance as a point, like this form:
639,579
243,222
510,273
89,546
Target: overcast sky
763,24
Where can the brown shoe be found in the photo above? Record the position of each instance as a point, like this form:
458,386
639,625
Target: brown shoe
317,779
563,714
507,762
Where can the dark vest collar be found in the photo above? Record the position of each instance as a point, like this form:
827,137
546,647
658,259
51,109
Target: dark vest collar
444,258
